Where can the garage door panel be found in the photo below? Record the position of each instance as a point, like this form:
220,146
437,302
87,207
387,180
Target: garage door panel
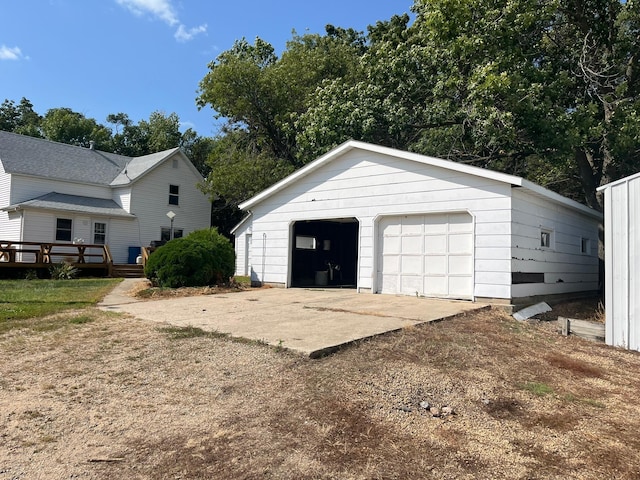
411,284
459,265
435,224
388,228
427,254
436,286
435,244
435,265
411,245
460,243
391,264
460,223
412,225
411,265
392,245
460,286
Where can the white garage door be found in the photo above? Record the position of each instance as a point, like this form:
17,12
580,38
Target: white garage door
429,255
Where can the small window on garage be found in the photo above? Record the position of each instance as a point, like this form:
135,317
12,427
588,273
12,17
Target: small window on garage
585,246
63,229
546,238
305,243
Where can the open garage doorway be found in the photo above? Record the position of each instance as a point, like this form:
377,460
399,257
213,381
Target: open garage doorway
324,253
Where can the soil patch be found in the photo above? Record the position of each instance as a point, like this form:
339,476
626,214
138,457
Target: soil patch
113,397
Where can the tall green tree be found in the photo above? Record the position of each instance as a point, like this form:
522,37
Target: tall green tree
20,118
541,88
66,126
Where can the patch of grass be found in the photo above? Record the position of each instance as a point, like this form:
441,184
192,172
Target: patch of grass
242,281
81,319
539,389
26,303
23,299
179,333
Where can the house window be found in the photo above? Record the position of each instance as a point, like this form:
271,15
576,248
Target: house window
165,233
546,240
175,163
174,194
63,229
305,243
585,245
99,233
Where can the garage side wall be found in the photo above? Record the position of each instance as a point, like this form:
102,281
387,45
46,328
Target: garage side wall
555,249
367,185
622,264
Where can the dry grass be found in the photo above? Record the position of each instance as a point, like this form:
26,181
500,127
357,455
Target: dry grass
120,398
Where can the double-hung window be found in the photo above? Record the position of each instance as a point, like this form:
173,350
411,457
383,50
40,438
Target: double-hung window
174,195
64,229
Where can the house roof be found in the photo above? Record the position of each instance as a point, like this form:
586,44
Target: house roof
436,162
73,203
21,154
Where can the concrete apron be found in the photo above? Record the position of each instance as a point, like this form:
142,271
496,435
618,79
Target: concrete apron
314,322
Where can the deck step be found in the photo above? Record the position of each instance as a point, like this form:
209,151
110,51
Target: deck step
127,271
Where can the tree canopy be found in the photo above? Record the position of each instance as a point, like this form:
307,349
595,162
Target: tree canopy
544,89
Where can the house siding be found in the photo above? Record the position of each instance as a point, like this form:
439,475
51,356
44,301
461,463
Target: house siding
367,185
622,263
9,222
565,268
151,193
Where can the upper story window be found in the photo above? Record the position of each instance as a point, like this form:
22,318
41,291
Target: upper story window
63,229
174,195
585,246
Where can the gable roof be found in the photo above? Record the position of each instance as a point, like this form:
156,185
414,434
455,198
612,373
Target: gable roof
73,203
21,154
426,160
618,182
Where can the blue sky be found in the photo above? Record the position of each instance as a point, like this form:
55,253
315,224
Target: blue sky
137,56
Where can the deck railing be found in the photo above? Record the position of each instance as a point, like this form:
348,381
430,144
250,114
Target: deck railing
45,254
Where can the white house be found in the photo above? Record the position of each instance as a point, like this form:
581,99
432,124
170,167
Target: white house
52,192
386,221
622,262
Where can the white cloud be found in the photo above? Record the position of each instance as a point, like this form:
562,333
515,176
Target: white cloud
8,53
161,9
184,35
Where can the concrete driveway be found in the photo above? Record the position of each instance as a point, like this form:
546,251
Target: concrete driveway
311,321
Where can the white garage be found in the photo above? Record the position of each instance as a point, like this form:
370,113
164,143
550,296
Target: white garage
430,255
381,220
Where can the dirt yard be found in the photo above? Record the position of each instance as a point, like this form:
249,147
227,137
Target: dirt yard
92,395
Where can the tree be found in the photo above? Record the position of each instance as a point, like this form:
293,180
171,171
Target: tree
264,95
20,119
66,126
540,88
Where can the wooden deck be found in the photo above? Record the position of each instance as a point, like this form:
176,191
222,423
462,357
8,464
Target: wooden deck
37,255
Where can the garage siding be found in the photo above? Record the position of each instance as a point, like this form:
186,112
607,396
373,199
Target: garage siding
367,185
564,265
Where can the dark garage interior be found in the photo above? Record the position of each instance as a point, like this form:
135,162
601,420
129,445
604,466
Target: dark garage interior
325,253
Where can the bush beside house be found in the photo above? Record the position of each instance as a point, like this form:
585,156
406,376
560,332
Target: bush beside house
202,258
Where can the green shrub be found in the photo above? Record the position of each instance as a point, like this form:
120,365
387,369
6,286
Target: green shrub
63,271
201,258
